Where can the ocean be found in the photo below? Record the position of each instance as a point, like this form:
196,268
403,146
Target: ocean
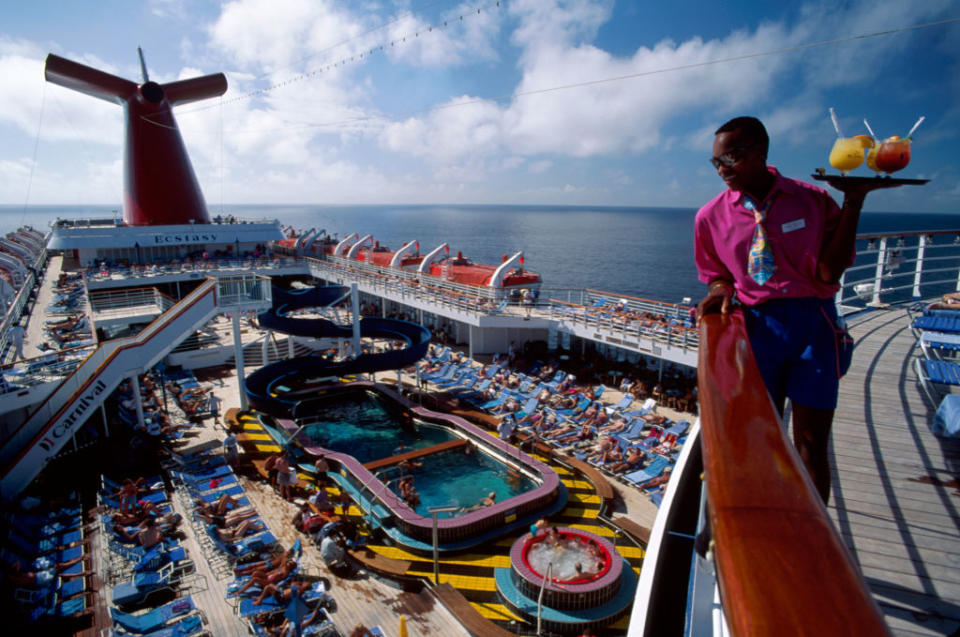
640,252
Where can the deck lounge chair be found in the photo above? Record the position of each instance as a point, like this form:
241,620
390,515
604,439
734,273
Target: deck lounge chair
153,619
937,323
496,402
142,586
633,431
443,373
651,471
189,625
937,378
939,345
625,402
312,597
204,473
42,545
250,545
528,407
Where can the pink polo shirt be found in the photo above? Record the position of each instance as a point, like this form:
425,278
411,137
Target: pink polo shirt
798,223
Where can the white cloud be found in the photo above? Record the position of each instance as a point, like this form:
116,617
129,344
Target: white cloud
66,114
461,127
557,24
540,167
169,8
446,42
276,34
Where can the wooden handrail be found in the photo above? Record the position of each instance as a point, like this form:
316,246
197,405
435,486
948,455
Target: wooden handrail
782,567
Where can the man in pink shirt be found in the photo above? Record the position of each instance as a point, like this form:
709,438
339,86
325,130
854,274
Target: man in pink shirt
780,246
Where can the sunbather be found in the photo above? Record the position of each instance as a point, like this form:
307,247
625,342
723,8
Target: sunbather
148,535
510,406
610,456
223,504
144,509
236,533
654,419
281,595
599,419
263,577
659,481
633,461
265,566
563,402
616,425
41,577
230,519
584,415
286,628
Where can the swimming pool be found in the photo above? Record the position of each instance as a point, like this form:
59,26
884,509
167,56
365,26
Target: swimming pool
364,427
464,480
369,483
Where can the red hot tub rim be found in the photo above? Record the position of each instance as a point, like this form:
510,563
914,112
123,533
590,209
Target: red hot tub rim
577,534
610,575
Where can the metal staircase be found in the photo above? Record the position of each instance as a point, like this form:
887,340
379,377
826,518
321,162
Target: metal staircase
48,429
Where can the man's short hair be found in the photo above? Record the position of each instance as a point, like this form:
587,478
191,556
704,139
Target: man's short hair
752,128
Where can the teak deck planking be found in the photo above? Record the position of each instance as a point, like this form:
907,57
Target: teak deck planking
904,533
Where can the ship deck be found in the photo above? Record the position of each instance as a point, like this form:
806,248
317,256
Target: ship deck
895,489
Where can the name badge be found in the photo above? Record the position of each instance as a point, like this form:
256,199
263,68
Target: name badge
790,226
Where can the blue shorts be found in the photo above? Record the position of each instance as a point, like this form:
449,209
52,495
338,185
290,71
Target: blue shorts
795,345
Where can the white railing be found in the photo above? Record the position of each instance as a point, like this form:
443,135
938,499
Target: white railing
668,323
901,267
16,309
244,291
47,367
211,266
116,301
116,220
665,329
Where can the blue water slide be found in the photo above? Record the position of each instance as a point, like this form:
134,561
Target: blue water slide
281,389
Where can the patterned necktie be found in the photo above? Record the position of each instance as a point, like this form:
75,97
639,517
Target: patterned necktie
760,265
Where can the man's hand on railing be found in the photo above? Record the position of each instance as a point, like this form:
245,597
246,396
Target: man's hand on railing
719,296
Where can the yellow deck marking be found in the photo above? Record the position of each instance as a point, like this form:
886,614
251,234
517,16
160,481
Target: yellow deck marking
631,552
257,436
581,513
268,448
573,483
496,612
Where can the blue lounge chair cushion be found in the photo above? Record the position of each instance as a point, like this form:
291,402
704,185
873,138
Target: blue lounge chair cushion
942,372
937,323
153,619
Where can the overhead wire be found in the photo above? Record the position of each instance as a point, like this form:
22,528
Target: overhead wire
619,78
439,25
36,145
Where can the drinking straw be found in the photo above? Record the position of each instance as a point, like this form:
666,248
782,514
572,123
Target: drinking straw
836,122
869,130
919,121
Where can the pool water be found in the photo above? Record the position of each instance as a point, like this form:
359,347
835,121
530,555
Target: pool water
361,426
460,479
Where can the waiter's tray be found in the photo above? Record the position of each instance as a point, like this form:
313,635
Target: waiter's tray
892,181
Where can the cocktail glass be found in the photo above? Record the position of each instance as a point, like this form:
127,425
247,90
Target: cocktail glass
847,152
893,154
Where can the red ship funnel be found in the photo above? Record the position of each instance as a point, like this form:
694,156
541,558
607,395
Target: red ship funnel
160,187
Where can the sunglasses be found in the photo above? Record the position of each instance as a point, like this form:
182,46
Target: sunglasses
730,158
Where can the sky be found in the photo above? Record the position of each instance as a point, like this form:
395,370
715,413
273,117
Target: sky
550,102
